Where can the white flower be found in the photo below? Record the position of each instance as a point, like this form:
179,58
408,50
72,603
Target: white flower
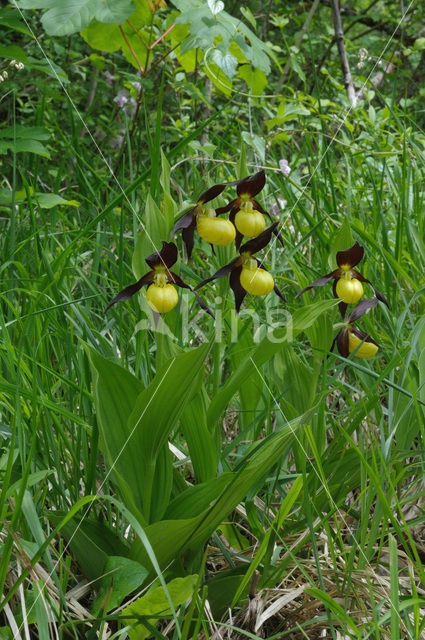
284,167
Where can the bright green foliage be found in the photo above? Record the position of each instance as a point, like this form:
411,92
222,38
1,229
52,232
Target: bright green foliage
143,418
185,450
155,604
185,535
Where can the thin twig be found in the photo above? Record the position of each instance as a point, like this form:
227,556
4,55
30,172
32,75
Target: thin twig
339,35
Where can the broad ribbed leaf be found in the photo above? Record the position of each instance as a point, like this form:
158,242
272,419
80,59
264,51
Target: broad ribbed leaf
197,499
121,577
150,239
155,415
250,392
302,319
155,604
172,538
115,393
91,542
200,442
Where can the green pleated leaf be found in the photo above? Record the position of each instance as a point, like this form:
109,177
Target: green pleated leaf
200,442
293,376
150,238
250,392
115,392
342,240
172,538
155,605
266,349
196,500
155,414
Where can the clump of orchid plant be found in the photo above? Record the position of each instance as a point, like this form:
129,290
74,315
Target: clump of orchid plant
347,281
248,274
161,294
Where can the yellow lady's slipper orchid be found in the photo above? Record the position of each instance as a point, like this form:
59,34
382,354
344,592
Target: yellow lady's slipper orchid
215,230
247,274
248,221
245,212
257,282
199,217
161,294
162,298
348,285
349,289
351,339
362,349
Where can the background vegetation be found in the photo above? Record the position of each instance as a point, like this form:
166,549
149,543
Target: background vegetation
156,481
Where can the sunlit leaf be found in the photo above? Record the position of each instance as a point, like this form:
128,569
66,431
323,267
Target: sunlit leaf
155,605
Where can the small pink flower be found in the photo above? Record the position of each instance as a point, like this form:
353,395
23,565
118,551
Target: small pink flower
121,98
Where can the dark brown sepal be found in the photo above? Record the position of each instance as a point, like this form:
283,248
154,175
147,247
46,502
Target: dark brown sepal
342,306
203,304
279,236
252,184
320,282
261,241
129,291
351,256
237,288
211,193
230,206
175,279
342,342
238,239
257,206
166,257
187,235
185,221
378,294
224,271
279,293
363,307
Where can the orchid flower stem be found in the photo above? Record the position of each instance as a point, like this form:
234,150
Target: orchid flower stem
216,366
216,353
